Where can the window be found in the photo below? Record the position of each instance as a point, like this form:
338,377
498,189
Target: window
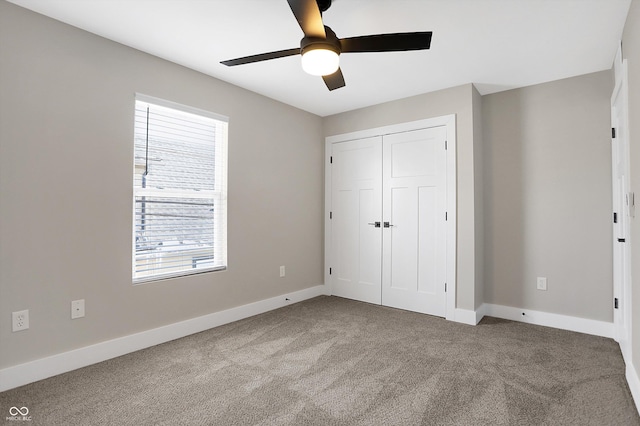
179,189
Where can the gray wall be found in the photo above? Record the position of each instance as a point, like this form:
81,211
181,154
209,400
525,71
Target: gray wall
631,52
547,196
66,164
457,100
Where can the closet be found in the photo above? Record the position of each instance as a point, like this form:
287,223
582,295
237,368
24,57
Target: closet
391,215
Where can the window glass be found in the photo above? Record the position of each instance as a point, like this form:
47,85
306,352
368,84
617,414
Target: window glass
179,190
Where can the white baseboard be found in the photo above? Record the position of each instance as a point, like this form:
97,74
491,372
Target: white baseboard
481,312
39,369
563,322
465,316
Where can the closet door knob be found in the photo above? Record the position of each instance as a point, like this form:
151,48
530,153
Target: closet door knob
376,224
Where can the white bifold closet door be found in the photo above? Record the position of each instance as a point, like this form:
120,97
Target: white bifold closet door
356,192
414,205
388,208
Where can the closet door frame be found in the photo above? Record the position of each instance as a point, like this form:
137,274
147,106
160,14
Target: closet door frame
449,121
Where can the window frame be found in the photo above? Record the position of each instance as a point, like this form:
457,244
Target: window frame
219,194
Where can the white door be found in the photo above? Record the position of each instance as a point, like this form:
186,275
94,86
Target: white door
414,208
622,208
356,200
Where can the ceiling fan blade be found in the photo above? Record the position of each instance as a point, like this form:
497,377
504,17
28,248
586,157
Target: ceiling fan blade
334,81
309,17
261,57
387,42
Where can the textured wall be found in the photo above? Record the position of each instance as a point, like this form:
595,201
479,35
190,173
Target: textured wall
547,197
66,164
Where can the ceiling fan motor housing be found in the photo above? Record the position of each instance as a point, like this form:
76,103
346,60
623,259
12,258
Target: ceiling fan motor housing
331,42
323,5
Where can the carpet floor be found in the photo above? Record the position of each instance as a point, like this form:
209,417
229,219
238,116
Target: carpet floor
333,361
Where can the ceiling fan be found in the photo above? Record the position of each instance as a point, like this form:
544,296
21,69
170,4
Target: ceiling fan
320,47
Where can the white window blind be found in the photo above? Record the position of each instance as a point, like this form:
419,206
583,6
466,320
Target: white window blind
179,190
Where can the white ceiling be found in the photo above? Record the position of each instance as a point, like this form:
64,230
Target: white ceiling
496,44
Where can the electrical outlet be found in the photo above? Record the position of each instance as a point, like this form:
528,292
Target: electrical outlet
282,271
20,320
77,309
542,283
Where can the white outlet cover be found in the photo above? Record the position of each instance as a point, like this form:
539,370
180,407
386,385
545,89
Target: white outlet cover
77,309
20,320
542,283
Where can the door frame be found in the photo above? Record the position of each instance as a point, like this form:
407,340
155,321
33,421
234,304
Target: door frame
621,285
448,121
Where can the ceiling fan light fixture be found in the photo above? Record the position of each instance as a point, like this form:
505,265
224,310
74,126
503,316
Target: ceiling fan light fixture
320,60
320,48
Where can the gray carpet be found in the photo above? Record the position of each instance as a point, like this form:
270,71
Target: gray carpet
332,361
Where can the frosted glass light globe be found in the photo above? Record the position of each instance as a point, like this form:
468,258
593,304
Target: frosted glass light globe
320,61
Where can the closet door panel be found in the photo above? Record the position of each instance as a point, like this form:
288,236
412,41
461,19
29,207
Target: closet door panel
414,206
356,194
